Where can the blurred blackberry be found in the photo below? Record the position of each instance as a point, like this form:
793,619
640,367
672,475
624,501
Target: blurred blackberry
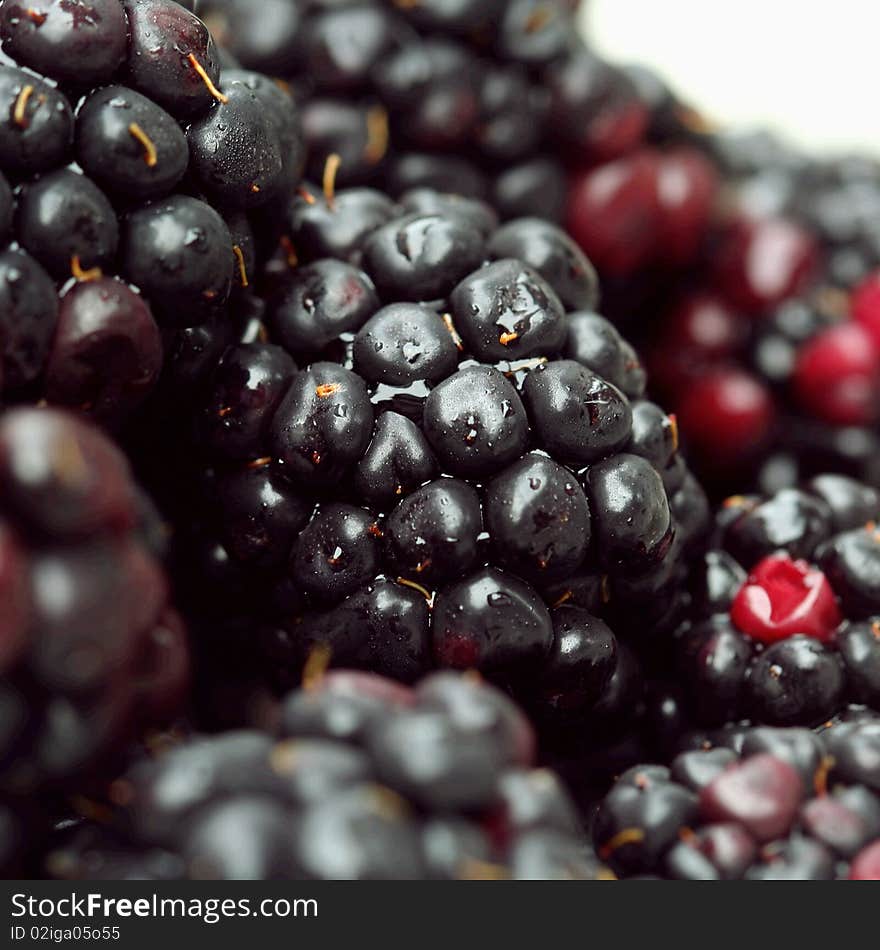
493,100
129,172
786,621
367,780
92,650
436,454
768,804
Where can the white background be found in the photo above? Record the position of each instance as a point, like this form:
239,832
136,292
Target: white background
807,68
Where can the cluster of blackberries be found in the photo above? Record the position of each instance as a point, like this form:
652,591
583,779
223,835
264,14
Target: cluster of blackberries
90,649
768,805
365,780
460,470
129,173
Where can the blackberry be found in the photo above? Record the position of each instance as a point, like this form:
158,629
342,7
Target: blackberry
92,649
770,804
456,462
784,628
366,780
498,101
128,171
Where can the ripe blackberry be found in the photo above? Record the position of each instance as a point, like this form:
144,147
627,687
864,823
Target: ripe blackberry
128,168
767,804
500,101
785,626
460,470
366,780
91,649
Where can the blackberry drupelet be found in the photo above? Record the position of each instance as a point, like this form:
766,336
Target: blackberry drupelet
91,649
366,780
786,622
128,169
767,804
428,457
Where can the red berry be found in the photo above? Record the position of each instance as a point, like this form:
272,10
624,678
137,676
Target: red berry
866,306
727,416
762,794
783,598
614,214
687,187
837,376
866,867
14,599
763,262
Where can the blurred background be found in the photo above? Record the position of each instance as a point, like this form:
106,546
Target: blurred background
785,64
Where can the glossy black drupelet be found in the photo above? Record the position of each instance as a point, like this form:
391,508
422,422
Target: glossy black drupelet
366,781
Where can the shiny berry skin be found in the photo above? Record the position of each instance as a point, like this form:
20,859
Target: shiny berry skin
63,216
166,42
580,666
321,230
116,159
783,598
596,343
851,562
554,256
107,352
791,520
796,681
539,519
235,150
506,311
491,621
319,303
81,42
614,214
631,518
577,415
336,554
475,422
398,460
323,424
764,262
431,536
403,344
837,376
43,138
859,646
178,251
726,416
421,257
246,390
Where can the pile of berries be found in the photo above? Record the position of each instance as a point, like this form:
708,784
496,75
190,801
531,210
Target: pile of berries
361,288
